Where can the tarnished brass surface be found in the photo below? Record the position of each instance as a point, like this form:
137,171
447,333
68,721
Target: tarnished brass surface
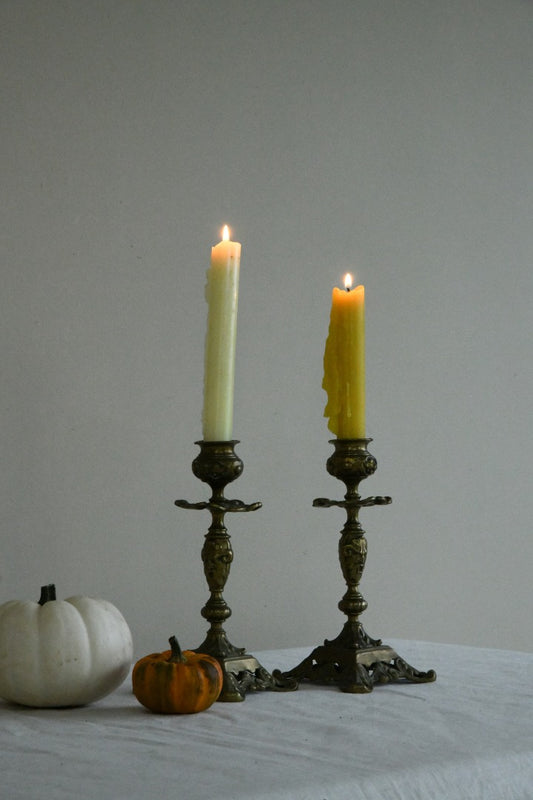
242,672
217,464
353,661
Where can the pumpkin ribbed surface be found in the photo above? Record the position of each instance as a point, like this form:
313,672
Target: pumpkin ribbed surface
60,653
169,686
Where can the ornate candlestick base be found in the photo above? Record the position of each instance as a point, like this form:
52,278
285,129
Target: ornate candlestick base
353,660
217,465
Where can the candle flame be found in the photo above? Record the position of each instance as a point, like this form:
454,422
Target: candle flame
348,281
225,234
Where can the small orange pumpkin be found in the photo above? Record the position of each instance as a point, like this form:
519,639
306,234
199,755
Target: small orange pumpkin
176,682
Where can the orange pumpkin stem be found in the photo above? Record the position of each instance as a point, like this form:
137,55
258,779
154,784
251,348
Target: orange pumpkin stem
176,655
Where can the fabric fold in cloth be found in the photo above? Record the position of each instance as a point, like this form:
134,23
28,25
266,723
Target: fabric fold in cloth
469,735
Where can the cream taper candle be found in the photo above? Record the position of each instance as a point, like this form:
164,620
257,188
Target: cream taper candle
222,292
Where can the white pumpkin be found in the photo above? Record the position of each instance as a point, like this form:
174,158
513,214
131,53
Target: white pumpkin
62,652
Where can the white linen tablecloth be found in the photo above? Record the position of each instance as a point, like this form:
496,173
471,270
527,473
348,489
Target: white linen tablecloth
469,735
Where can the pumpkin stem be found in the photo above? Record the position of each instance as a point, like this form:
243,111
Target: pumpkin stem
47,593
176,655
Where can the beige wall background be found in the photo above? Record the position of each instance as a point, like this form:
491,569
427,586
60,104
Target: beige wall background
390,139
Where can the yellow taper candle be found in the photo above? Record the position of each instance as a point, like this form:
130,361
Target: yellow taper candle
222,292
344,363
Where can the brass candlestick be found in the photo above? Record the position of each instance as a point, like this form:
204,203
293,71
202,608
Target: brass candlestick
217,465
353,661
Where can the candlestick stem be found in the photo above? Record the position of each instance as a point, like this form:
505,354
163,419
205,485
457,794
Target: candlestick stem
217,464
353,660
